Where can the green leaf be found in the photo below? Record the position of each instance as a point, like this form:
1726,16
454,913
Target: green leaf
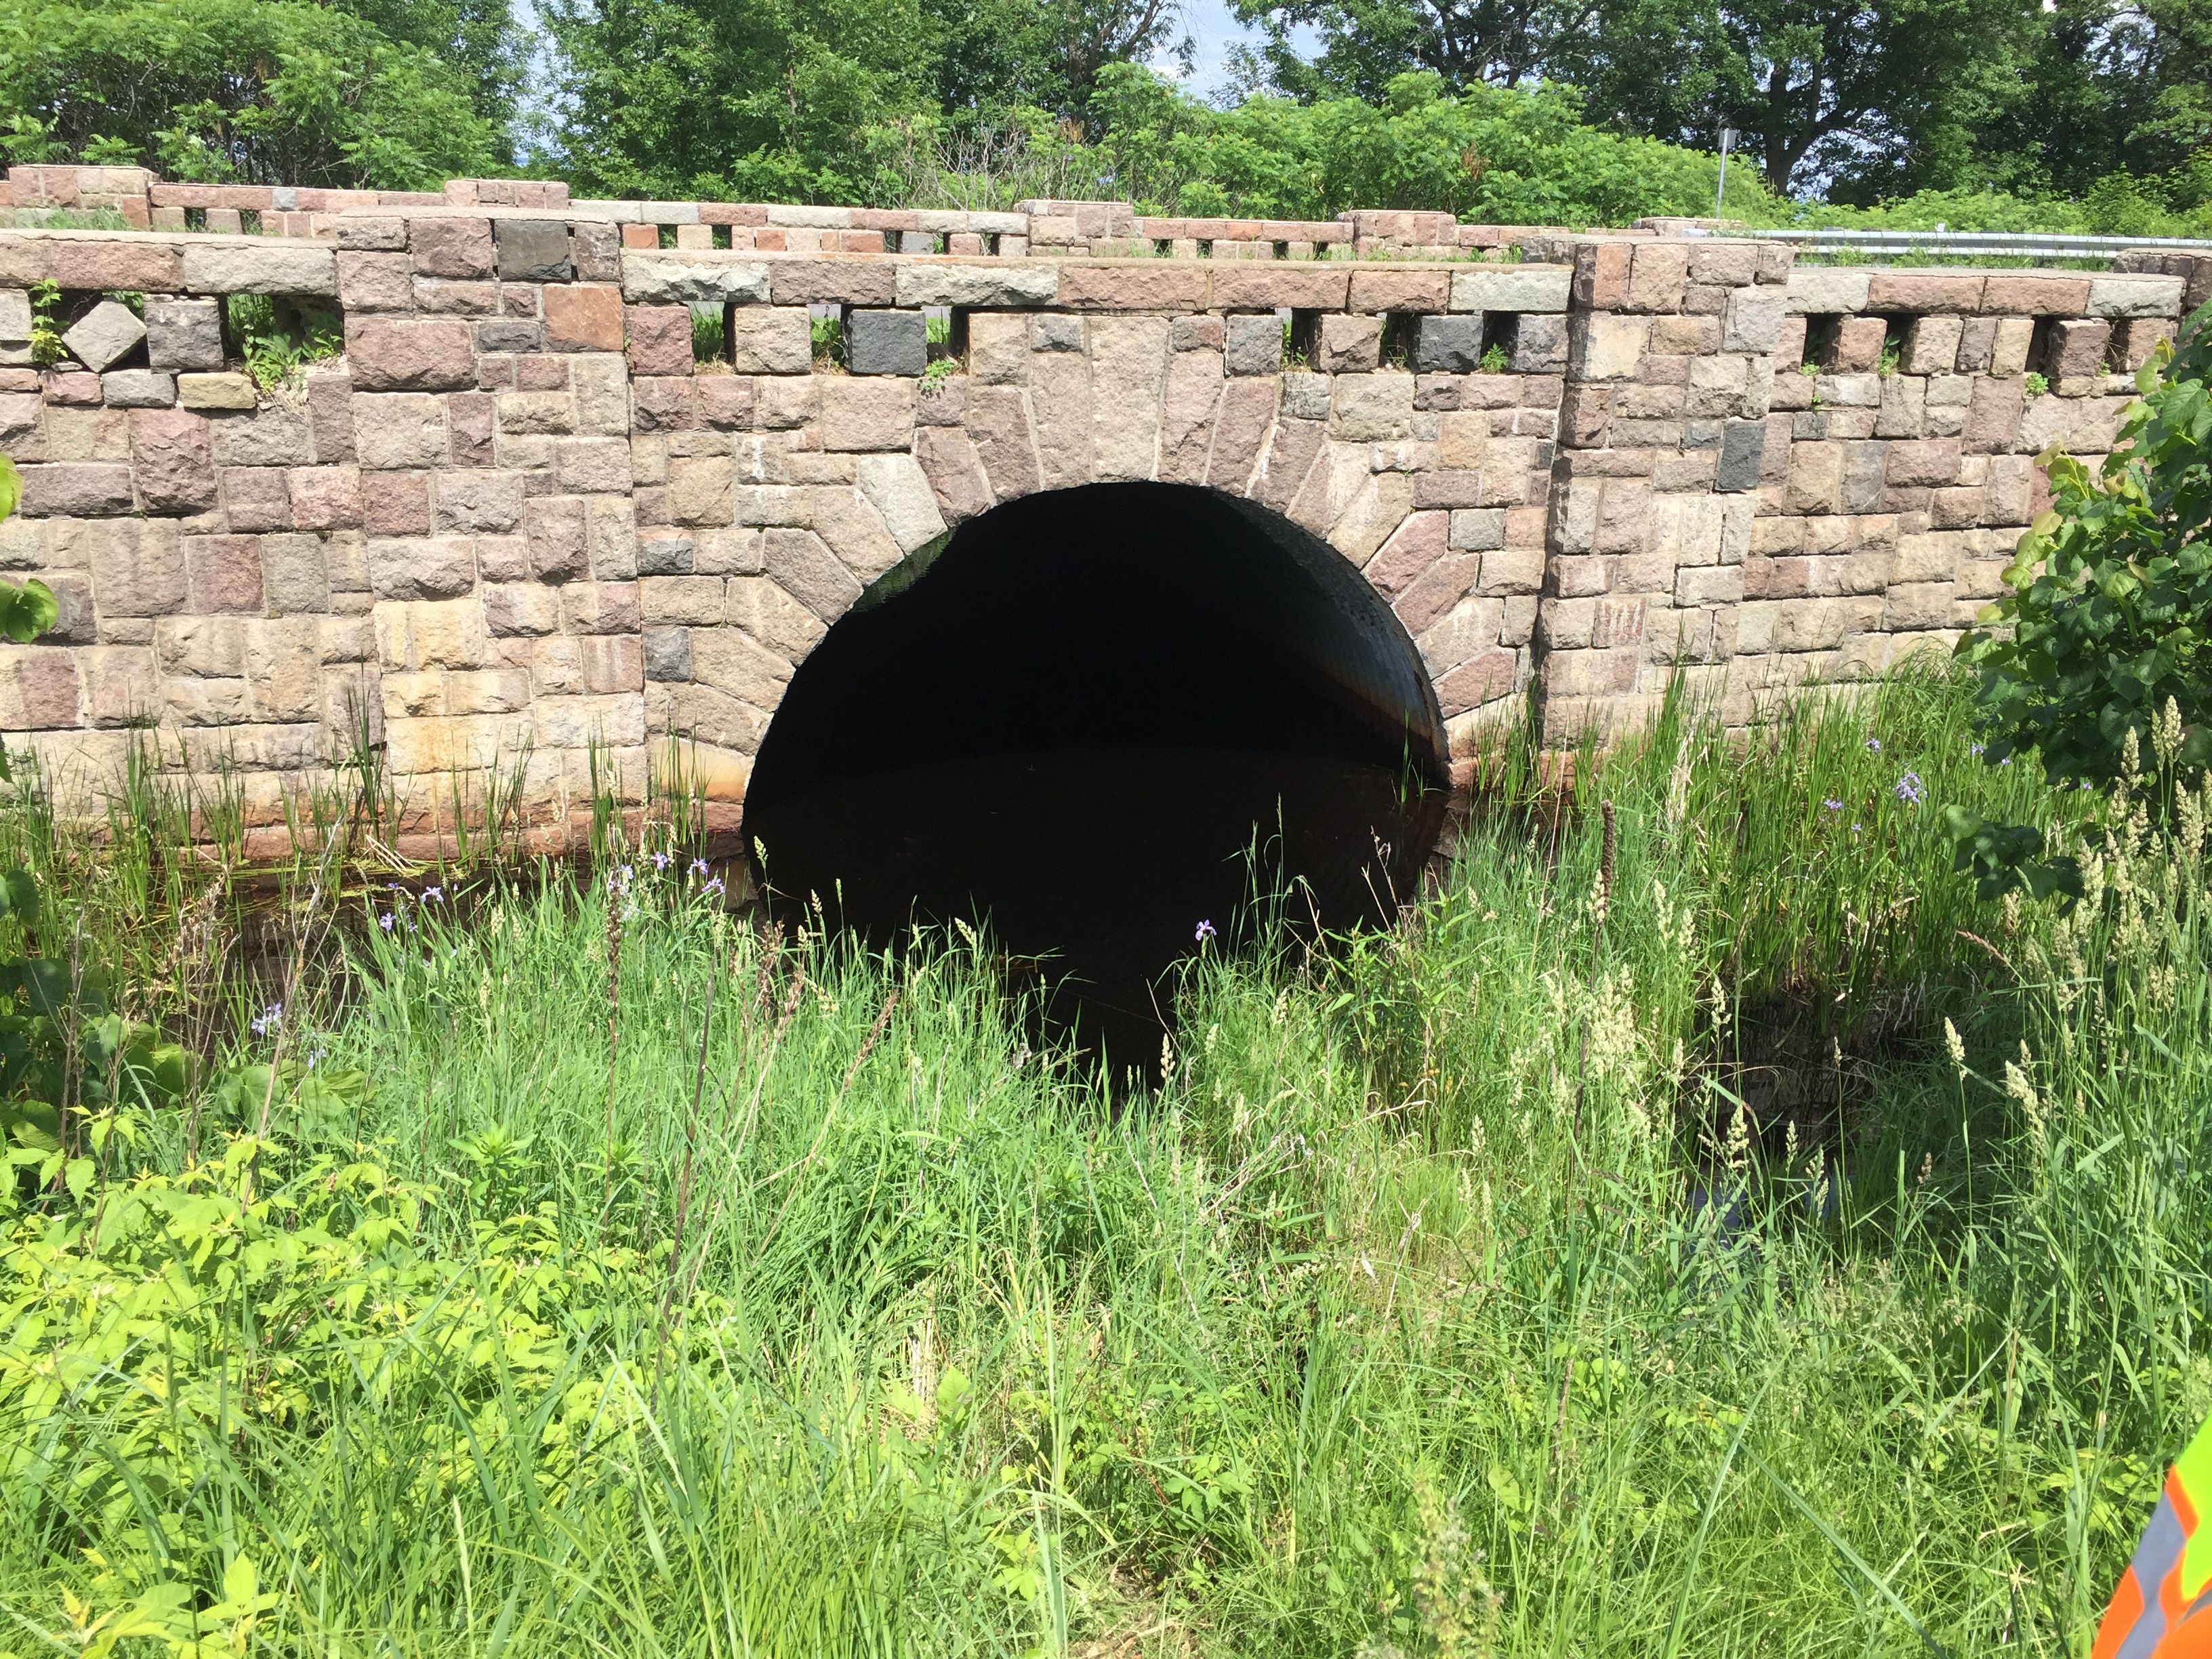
27,611
78,1176
11,490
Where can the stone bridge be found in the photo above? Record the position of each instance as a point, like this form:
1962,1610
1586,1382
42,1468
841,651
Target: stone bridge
1427,473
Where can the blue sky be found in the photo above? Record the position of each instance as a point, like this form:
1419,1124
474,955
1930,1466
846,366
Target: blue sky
1215,29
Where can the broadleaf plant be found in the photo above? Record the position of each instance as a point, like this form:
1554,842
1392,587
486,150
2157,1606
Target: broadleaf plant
2107,616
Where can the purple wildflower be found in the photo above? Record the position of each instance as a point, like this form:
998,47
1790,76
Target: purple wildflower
713,886
433,895
268,1019
385,922
1205,933
1832,806
1908,789
1874,743
661,862
698,866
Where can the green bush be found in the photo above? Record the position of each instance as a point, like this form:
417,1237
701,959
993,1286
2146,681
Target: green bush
2108,615
267,91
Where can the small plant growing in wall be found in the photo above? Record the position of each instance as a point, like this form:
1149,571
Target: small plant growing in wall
828,334
1892,355
1494,360
2034,383
279,344
708,338
46,347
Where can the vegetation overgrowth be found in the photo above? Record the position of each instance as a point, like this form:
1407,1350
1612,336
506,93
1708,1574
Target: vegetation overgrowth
1700,1226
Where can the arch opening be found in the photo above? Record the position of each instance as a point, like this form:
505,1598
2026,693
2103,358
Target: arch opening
1078,718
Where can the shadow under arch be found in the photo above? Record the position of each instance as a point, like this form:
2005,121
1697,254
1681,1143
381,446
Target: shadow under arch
1073,715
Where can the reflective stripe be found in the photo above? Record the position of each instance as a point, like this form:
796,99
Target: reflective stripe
2153,1571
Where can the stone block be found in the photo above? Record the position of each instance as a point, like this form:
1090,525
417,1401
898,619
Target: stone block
138,388
886,342
395,430
531,250
294,578
137,567
668,654
460,248
2078,348
174,461
271,265
1448,345
592,465
554,527
583,316
80,489
105,336
683,277
1507,288
660,339
1896,289
699,490
2010,344
1743,450
421,566
376,282
771,340
986,287
2135,295
222,574
1349,345
256,498
1150,285
1825,292
1603,346
1658,276
215,392
388,354
1251,344
274,435
866,414
478,501
1993,418
1753,320
896,486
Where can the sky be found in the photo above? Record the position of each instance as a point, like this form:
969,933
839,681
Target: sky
1214,29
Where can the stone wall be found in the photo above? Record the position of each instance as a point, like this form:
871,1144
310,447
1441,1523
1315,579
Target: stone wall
516,514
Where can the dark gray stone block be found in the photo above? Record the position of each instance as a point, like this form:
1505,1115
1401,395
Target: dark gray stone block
184,335
668,653
887,342
665,555
1448,345
1539,345
1255,344
531,250
1743,445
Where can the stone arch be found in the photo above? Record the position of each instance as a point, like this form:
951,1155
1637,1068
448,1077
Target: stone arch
1434,509
1075,712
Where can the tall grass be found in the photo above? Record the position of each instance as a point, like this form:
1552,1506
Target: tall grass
1617,1257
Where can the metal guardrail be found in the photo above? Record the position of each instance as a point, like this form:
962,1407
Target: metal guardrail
2010,244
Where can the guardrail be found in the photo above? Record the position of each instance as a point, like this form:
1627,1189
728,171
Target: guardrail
2011,244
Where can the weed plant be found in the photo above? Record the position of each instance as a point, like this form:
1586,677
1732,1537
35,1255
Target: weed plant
1698,1228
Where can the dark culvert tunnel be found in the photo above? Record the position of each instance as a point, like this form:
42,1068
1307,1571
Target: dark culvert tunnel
1075,719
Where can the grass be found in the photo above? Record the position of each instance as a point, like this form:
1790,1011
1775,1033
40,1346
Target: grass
751,1296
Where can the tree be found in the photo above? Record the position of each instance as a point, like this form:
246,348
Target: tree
2115,88
1365,43
759,99
479,40
1877,96
266,91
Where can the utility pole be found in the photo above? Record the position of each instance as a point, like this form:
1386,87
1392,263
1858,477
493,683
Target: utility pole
1728,143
